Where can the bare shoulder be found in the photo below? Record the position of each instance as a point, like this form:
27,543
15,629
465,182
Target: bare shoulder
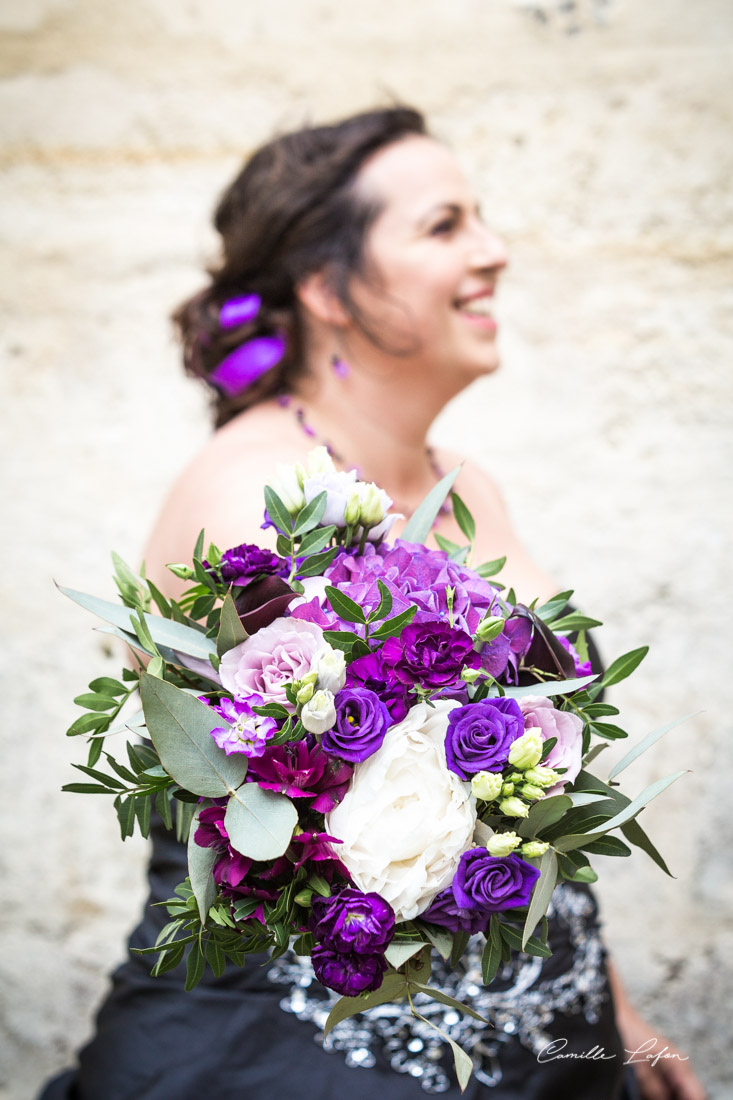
474,484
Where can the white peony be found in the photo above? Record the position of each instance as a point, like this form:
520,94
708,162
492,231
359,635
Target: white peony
406,819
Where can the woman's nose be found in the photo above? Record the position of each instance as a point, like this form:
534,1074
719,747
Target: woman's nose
489,250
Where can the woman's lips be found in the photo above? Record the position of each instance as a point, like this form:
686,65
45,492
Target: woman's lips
478,312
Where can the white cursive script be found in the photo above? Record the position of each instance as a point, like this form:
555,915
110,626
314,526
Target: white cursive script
645,1053
556,1049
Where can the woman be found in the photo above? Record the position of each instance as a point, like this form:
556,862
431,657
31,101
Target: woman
375,278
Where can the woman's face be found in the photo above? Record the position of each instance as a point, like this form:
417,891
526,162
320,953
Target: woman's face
435,261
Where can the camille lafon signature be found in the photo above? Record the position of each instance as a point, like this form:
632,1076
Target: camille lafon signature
647,1052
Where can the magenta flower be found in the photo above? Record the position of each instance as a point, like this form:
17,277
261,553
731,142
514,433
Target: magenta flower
301,769
348,974
353,921
247,732
431,654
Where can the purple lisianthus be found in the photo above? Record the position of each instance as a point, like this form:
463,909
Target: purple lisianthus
480,735
351,921
362,720
301,769
348,974
445,911
370,671
244,562
247,732
431,654
582,668
483,884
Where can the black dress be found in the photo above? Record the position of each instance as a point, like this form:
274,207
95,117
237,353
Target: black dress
257,1031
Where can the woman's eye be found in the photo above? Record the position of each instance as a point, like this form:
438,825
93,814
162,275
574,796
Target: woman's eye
443,227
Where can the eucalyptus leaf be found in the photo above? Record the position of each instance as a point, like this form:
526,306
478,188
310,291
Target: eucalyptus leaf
649,740
421,522
552,687
567,843
463,1064
180,728
393,986
446,999
398,953
260,823
541,894
231,632
441,939
634,833
200,871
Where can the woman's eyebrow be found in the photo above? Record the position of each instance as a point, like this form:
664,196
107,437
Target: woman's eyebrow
455,208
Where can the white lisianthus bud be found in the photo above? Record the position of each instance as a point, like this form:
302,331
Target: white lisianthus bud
305,693
353,509
529,790
489,628
372,511
534,848
330,668
513,807
542,776
319,462
289,488
507,789
503,844
526,750
486,785
319,714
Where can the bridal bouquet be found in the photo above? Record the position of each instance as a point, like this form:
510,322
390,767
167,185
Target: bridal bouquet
372,750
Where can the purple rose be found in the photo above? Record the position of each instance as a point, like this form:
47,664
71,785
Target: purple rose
432,654
301,769
493,883
353,922
348,974
371,672
242,563
362,720
480,735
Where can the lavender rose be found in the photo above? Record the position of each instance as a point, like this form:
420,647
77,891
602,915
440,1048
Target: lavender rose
348,974
480,735
567,752
353,922
270,659
432,654
362,720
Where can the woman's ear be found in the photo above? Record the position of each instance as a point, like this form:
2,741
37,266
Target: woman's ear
316,294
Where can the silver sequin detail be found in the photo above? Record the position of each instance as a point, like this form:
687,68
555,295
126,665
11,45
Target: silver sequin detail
521,1004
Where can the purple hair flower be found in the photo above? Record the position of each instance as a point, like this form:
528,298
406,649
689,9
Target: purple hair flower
351,921
480,735
362,720
348,974
247,732
243,366
239,310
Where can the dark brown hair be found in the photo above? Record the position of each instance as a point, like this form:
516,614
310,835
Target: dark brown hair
292,210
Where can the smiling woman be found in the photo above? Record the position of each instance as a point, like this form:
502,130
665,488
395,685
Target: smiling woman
354,298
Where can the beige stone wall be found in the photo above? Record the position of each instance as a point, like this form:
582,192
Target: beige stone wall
599,137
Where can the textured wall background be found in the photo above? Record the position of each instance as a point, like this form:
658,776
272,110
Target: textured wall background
599,137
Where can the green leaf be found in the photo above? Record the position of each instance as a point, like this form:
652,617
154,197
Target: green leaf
421,522
95,702
180,728
340,639
574,621
541,894
164,632
200,871
648,741
441,939
490,958
446,999
315,541
552,687
125,808
163,807
448,546
607,846
344,606
120,769
584,874
105,685
491,568
384,606
311,515
393,986
260,823
194,967
143,804
315,565
393,626
108,780
464,519
277,511
85,788
231,632
215,958
399,952
86,723
462,1062
548,611
460,942
634,833
544,813
168,960
567,843
608,730
624,666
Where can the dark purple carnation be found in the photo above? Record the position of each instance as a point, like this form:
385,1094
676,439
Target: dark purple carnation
301,769
371,672
432,654
480,735
362,720
353,922
242,563
493,883
348,975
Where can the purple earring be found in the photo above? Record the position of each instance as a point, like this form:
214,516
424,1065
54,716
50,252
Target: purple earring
339,366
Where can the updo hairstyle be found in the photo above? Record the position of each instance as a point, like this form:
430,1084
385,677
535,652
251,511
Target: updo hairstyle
292,210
